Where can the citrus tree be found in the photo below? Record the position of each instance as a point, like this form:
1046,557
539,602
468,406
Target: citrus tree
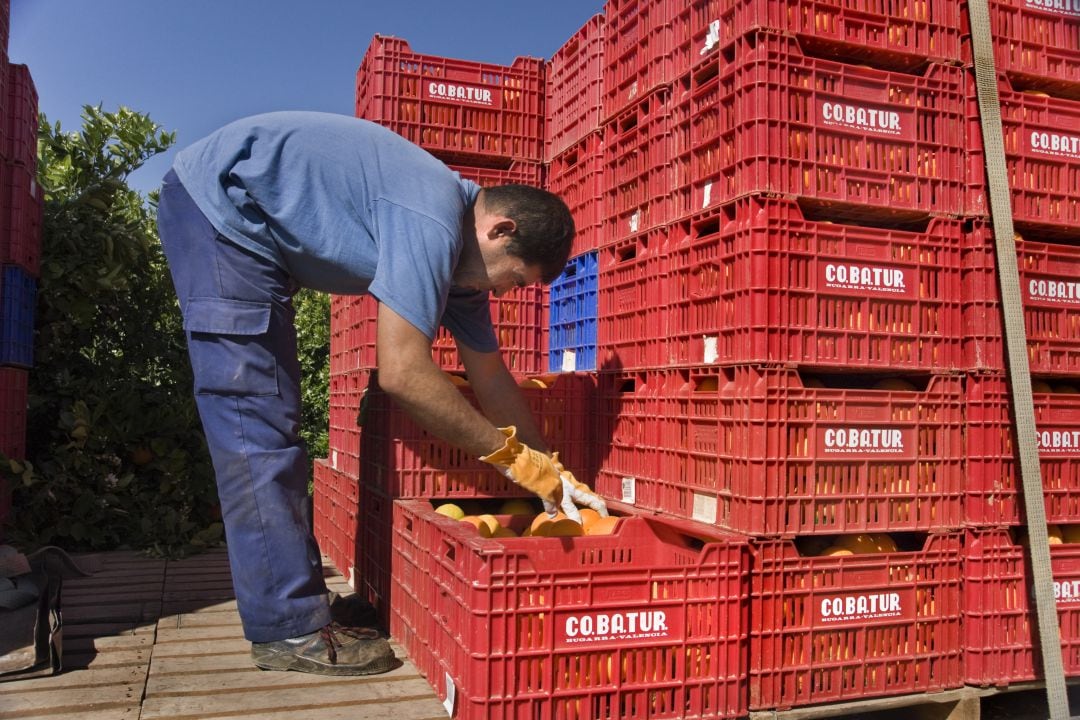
115,452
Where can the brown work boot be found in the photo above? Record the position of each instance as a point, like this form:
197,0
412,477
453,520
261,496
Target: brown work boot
333,650
352,611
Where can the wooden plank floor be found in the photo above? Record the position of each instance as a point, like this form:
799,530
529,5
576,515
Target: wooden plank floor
161,640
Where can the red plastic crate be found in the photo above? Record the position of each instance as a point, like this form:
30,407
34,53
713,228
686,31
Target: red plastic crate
13,401
336,516
516,623
827,629
517,317
454,108
347,392
371,576
639,47
696,34
1035,41
867,143
897,33
352,333
21,208
755,281
576,176
755,450
516,173
629,444
999,619
631,326
21,117
993,491
1051,295
1042,157
637,177
575,88
404,461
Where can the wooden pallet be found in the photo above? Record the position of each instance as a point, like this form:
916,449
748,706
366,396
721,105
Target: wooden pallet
150,639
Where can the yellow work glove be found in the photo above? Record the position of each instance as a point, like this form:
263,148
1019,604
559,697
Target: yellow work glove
531,469
576,492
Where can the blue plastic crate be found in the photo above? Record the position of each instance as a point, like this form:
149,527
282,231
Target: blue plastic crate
18,296
573,313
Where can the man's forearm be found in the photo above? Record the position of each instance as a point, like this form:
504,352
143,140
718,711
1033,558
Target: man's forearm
501,398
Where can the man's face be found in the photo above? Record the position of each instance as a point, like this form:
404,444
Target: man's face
506,272
500,271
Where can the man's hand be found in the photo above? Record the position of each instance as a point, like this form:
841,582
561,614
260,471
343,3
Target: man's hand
530,469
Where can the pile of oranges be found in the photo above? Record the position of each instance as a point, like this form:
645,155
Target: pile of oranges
502,523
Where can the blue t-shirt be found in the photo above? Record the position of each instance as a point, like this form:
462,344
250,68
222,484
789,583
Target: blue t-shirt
345,206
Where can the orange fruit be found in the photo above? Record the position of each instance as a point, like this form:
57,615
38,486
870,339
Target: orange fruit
588,517
450,510
1070,534
602,526
885,543
517,506
835,551
858,544
1053,535
480,525
503,532
542,518
1041,386
492,523
559,528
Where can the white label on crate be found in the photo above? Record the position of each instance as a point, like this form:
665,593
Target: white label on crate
866,441
635,221
712,38
861,117
451,695
1065,7
569,361
333,459
1053,291
1049,143
33,187
711,354
1058,442
352,577
862,279
629,490
619,626
704,508
889,605
706,196
467,94
1067,592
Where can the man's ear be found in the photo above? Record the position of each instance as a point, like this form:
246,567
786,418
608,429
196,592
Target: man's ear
504,227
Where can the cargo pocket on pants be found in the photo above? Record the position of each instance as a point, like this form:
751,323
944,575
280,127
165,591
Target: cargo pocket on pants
230,348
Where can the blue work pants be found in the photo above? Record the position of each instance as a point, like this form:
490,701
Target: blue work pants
241,334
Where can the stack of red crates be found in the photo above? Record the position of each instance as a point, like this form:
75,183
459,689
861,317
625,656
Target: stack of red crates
781,338
21,203
1037,58
485,121
799,354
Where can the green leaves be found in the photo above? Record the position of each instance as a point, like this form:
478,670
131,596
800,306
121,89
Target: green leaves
115,448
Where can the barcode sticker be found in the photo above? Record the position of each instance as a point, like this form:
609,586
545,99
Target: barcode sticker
629,490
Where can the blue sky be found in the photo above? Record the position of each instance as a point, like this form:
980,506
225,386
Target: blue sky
194,65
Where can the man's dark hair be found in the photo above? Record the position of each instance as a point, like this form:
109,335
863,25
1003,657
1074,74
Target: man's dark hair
545,228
